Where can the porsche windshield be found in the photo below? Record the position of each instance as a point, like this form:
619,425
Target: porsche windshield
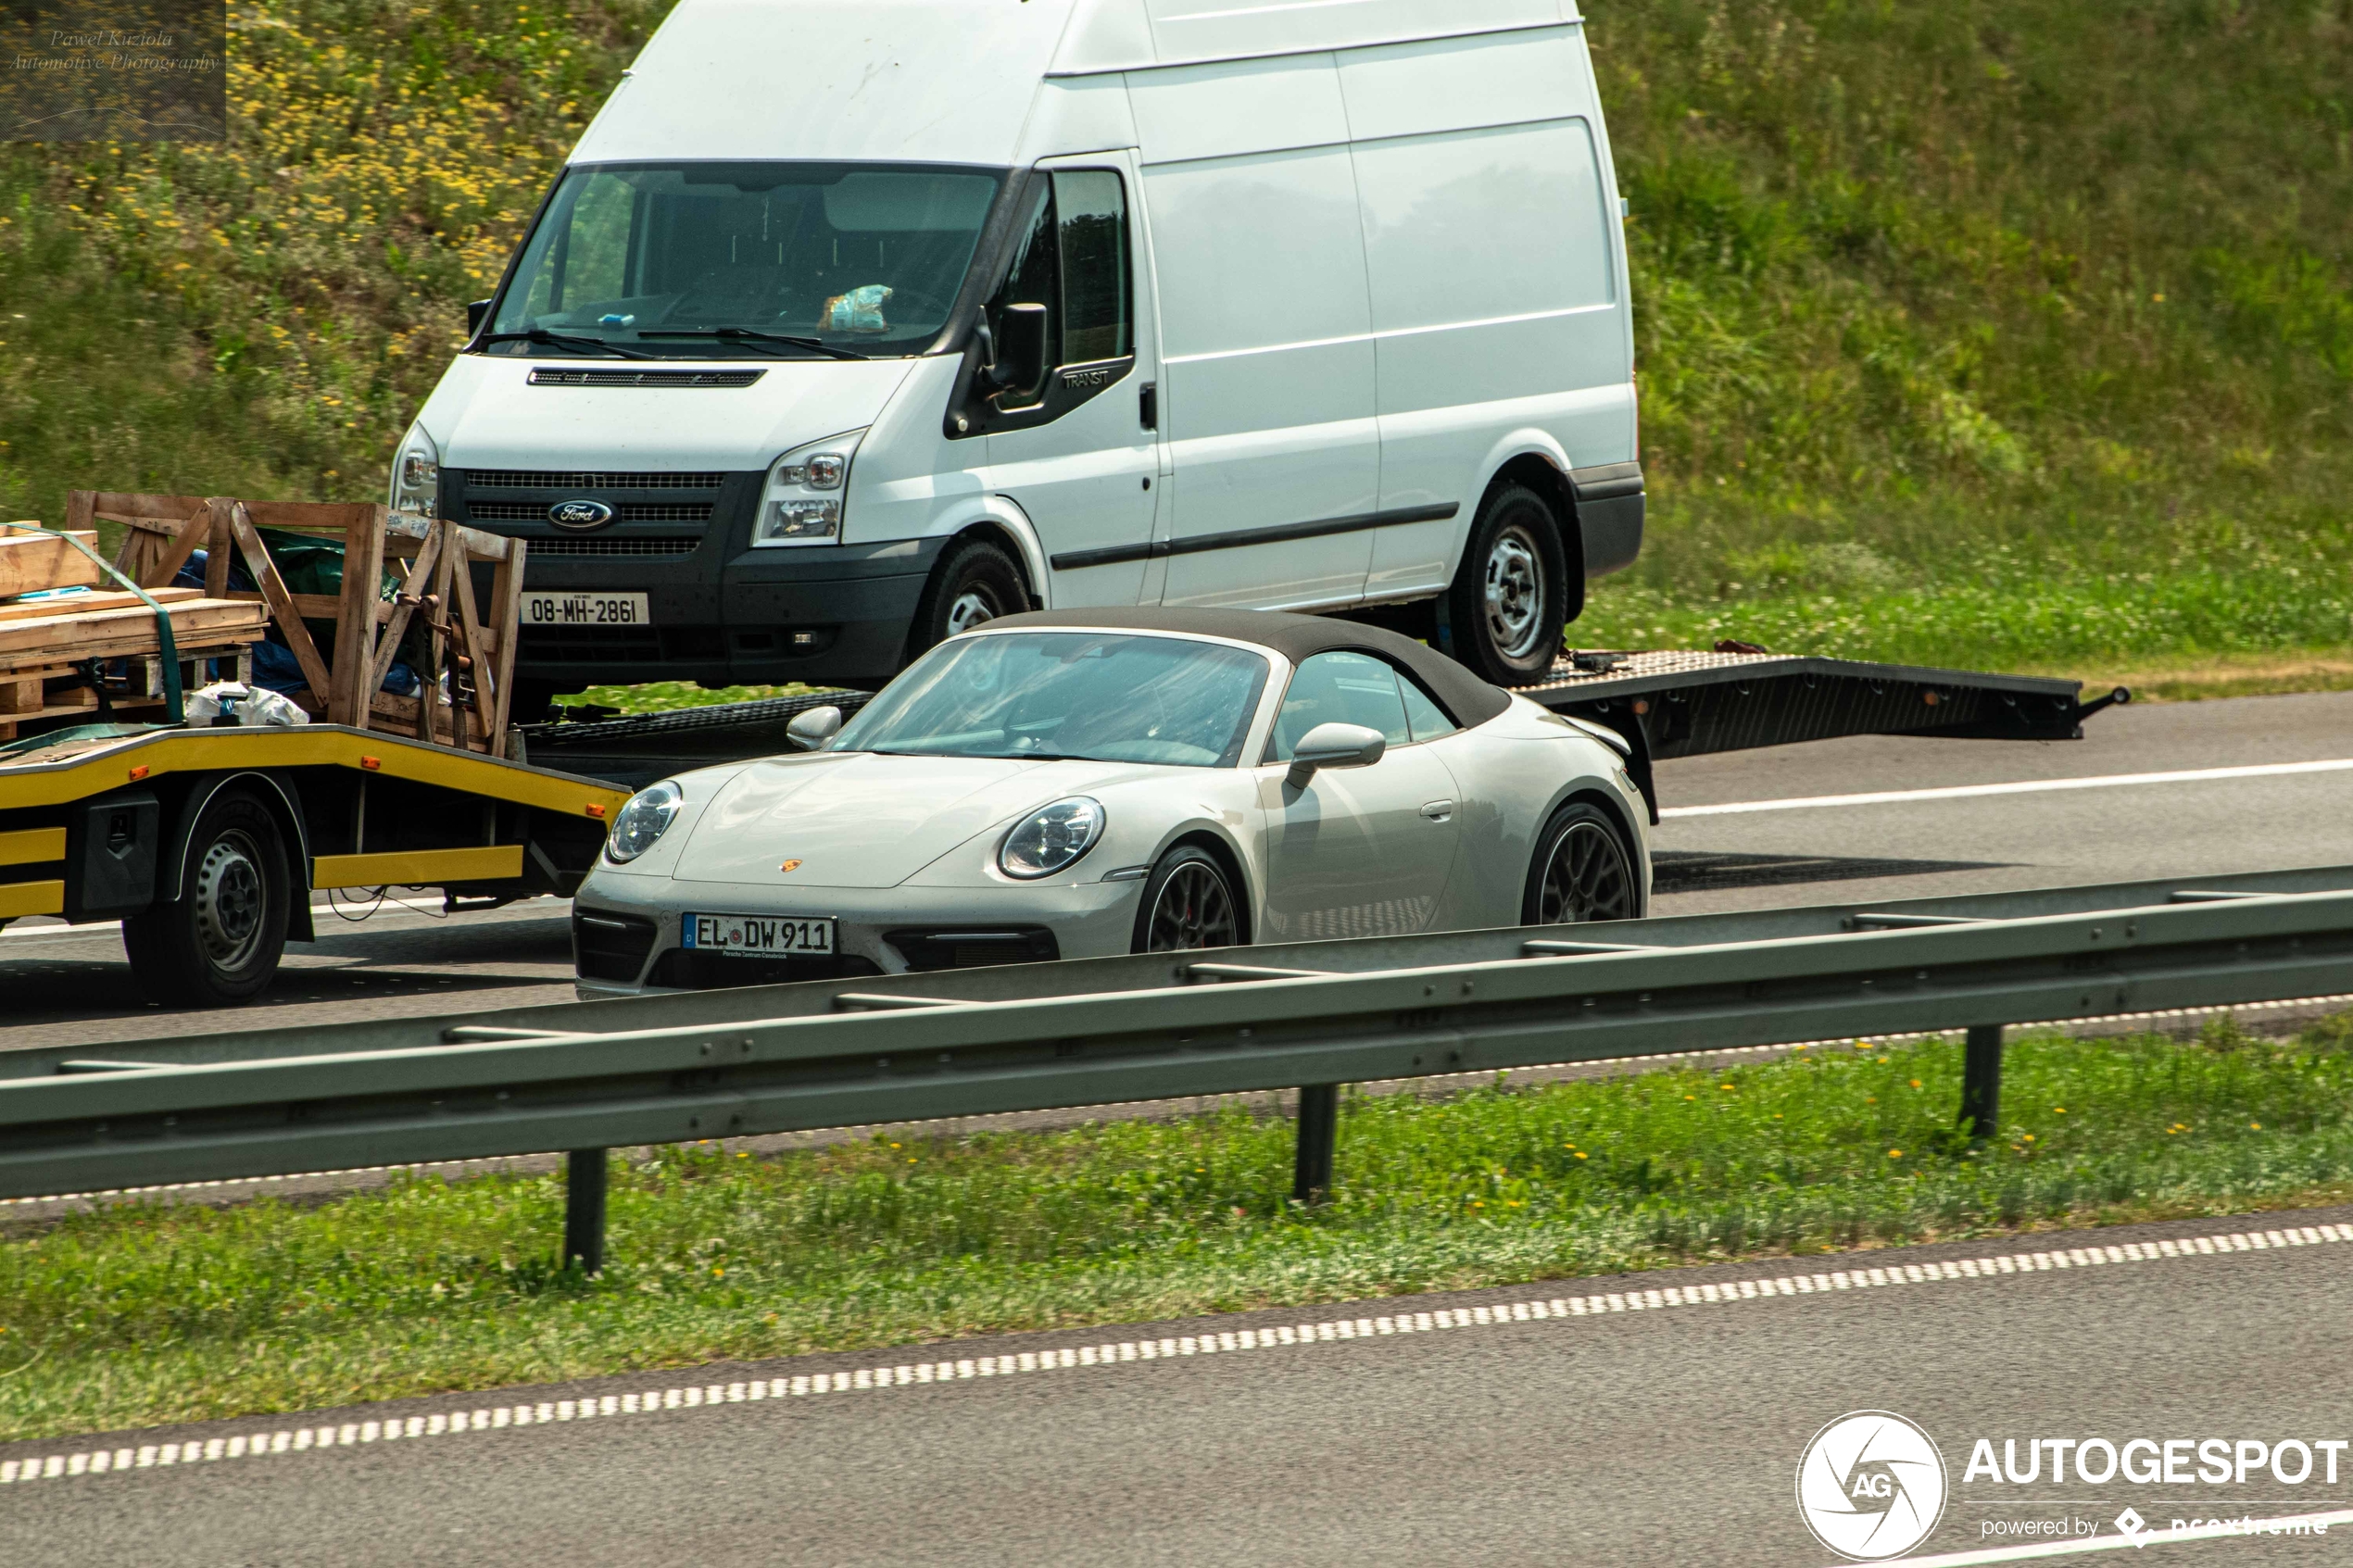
730,260
1092,695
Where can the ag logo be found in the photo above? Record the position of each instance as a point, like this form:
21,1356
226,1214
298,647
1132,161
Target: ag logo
581,515
1871,1486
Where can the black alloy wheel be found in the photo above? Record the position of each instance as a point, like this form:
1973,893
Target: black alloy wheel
1188,905
218,944
1507,608
974,583
1581,871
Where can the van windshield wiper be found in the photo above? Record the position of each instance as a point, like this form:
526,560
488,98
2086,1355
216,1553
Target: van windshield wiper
744,334
566,340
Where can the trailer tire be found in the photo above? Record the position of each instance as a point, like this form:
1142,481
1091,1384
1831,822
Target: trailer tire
975,582
218,944
1509,604
1581,871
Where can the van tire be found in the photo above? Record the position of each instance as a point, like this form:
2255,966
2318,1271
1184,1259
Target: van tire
974,582
218,944
1509,604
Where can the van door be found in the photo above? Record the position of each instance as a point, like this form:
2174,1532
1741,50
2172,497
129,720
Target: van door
1265,328
1082,462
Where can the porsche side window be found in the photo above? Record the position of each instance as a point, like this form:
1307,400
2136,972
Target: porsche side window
1428,720
1342,688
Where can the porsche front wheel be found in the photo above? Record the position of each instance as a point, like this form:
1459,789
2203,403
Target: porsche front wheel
1188,904
1581,871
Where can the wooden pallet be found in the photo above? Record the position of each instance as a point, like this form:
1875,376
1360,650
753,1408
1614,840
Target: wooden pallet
473,640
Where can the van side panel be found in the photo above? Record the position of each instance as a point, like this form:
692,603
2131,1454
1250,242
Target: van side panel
1265,323
1210,30
1078,115
1497,303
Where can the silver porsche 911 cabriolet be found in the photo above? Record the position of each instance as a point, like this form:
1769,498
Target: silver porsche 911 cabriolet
1083,782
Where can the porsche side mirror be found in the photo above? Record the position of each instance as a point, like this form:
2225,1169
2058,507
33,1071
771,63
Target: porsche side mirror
1335,745
813,729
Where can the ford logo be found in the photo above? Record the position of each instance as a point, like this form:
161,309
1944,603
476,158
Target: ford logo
580,515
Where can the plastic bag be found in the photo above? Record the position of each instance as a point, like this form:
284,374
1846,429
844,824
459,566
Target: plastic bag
860,311
233,702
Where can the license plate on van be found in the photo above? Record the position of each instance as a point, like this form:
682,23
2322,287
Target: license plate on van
759,936
587,610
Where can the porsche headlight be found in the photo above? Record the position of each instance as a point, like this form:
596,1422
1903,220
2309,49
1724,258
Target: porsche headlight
643,821
802,502
1052,838
416,474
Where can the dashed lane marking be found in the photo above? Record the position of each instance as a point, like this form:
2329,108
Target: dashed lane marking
2027,786
316,1437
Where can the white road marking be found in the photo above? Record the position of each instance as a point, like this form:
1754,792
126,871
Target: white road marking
2284,1527
2029,787
318,1437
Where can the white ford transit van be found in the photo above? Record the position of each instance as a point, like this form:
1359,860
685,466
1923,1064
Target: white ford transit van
851,323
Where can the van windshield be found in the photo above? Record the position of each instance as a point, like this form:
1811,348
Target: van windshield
724,260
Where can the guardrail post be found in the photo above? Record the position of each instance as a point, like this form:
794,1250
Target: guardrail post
584,1171
1981,1081
1318,1132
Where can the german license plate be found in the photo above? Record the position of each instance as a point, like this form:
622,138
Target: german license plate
759,936
587,610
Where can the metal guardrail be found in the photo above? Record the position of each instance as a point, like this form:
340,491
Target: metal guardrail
592,1075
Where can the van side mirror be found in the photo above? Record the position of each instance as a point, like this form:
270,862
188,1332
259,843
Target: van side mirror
476,309
813,729
1017,351
1335,745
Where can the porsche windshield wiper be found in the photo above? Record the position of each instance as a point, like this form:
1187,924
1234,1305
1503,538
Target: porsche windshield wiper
744,334
566,340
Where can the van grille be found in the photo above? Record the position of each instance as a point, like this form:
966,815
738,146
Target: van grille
645,378
529,479
608,547
628,511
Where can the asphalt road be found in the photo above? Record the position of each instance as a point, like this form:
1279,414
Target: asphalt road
1660,1437
60,985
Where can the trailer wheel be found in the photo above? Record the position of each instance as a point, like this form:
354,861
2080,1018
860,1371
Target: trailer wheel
1581,871
219,943
1508,606
974,583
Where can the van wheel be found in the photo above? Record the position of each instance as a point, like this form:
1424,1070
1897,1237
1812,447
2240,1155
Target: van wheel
219,943
1508,606
974,584
1581,871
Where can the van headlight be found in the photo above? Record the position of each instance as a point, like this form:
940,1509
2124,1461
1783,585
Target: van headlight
1052,838
416,473
646,816
803,503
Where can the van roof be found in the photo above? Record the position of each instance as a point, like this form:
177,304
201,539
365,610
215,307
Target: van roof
954,80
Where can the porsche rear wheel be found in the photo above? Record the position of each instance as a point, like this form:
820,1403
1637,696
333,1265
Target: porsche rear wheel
1188,904
1582,871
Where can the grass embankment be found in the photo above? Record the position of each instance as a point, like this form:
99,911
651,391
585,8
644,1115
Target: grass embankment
2002,332
141,1315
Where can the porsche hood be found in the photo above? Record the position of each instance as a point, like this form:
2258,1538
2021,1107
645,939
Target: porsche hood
859,819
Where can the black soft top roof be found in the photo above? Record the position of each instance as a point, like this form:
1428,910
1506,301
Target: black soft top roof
1467,699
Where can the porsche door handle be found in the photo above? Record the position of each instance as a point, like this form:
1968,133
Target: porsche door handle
1438,810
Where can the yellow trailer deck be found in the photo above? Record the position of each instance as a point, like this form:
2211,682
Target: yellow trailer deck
208,843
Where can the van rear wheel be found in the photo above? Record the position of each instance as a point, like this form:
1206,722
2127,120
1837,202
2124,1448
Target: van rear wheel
1508,606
